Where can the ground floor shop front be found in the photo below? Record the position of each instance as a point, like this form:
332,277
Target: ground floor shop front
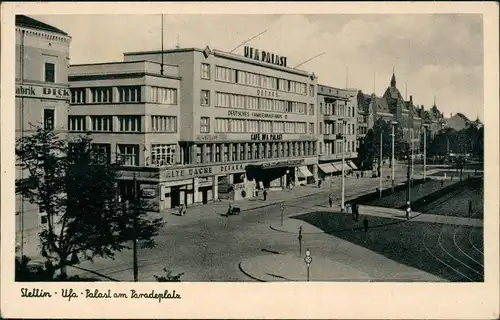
331,169
171,188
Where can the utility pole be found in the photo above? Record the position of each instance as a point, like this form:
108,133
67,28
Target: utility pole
380,167
135,207
393,124
425,151
343,165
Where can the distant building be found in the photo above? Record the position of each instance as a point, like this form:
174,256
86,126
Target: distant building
42,95
337,129
459,122
392,107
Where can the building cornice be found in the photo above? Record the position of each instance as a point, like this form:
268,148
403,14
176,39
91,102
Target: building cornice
42,34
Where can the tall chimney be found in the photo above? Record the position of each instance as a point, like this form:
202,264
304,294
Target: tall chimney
411,98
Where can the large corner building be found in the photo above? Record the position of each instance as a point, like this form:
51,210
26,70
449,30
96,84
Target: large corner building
192,124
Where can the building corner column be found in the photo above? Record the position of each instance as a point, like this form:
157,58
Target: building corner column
196,193
215,187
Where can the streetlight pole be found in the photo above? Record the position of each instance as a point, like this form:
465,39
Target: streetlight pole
393,124
380,167
134,226
425,151
412,150
308,260
343,165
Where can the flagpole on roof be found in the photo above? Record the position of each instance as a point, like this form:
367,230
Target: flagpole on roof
318,55
161,70
246,41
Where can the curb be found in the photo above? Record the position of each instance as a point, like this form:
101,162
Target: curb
290,232
248,275
278,202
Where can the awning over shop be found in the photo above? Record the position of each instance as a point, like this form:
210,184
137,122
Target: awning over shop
337,166
352,165
326,167
303,172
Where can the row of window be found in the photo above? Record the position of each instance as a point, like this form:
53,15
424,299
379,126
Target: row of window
226,125
229,75
336,128
124,123
237,101
124,94
206,153
341,110
169,154
336,147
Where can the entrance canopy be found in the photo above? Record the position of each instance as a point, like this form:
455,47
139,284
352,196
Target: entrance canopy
304,173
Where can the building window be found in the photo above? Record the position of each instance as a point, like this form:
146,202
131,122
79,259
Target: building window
198,154
252,126
205,71
48,119
311,109
225,74
102,123
204,125
78,95
102,151
311,90
205,98
129,94
163,124
129,154
320,128
311,128
76,123
163,154
217,153
50,72
163,95
101,95
130,123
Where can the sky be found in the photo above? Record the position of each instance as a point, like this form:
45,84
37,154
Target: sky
433,55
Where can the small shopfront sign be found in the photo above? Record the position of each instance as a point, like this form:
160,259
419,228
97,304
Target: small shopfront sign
282,163
43,92
254,114
189,173
266,137
211,137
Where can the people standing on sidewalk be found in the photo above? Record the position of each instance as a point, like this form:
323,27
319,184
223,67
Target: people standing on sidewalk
470,206
264,193
330,200
365,224
319,183
356,209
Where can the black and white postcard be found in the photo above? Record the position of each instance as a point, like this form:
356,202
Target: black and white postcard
250,160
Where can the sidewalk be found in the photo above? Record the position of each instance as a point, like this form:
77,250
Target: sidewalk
453,220
291,267
196,212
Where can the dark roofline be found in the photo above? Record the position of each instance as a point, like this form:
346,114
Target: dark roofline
28,22
119,62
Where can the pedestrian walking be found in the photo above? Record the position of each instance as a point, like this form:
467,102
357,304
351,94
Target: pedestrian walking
365,224
362,174
330,200
353,211
300,240
470,206
442,183
265,194
357,175
356,206
319,183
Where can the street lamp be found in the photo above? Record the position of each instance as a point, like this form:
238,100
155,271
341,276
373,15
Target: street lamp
425,150
380,167
408,177
308,260
393,124
342,184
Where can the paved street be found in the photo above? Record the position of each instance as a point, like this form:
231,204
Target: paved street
206,246
209,249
